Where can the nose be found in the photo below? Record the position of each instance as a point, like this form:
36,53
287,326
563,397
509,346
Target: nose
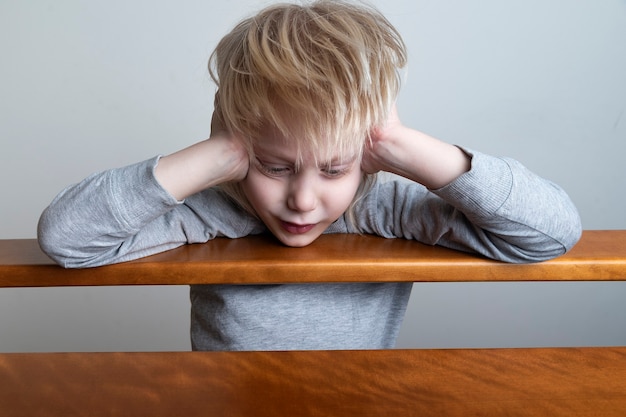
302,192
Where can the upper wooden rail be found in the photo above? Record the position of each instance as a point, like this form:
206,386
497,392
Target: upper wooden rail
599,256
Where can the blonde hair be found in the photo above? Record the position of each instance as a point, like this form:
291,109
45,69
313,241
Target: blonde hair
323,73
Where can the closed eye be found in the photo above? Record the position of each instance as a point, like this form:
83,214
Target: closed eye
334,172
337,169
273,170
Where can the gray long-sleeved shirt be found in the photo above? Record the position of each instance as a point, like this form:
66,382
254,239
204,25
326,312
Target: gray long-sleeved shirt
498,209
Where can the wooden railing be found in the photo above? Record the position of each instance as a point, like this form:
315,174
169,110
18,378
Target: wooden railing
419,382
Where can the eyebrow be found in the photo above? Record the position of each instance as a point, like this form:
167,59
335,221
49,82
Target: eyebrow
262,155
339,161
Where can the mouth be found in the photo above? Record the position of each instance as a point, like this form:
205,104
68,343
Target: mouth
296,229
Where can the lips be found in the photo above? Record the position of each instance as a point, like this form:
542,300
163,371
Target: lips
296,229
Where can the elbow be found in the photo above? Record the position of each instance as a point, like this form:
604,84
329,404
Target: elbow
57,241
555,235
567,230
64,254
572,234
539,246
51,241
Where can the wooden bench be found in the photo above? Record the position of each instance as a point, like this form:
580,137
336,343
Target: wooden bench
420,382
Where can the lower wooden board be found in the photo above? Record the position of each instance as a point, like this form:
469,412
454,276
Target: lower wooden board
447,382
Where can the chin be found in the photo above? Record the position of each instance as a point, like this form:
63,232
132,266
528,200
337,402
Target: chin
297,241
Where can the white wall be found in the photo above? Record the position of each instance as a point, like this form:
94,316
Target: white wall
88,85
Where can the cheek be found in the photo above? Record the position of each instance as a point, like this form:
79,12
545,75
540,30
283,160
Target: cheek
258,189
342,194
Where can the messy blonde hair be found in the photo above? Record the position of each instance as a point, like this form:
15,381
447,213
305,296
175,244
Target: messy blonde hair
323,74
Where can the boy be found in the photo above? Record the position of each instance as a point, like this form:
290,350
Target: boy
303,119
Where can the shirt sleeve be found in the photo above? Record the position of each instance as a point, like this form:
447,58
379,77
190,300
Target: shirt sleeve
498,209
124,213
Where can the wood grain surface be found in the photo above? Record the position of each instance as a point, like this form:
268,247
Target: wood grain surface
448,382
556,382
600,255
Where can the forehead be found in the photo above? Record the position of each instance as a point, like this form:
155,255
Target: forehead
298,149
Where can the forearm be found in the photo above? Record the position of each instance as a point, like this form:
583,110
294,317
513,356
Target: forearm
92,220
201,166
421,158
137,210
512,214
498,208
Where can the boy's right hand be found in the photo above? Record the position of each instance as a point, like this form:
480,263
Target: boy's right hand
240,155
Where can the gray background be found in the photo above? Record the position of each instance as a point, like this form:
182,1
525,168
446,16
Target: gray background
88,85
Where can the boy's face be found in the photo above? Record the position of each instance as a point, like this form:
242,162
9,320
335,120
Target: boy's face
298,205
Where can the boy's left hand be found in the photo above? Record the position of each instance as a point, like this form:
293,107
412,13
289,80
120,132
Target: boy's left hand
378,155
